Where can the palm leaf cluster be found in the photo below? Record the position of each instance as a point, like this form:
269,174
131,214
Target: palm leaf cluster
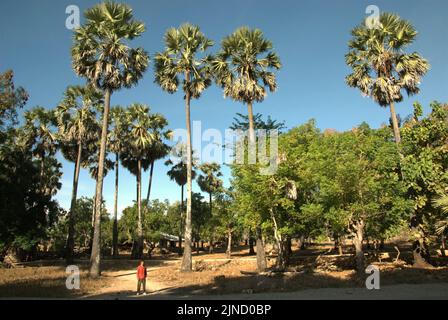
244,66
101,53
184,55
381,67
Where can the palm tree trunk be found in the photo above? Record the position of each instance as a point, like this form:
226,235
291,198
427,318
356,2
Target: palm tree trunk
181,217
251,123
95,257
71,217
186,258
139,209
42,170
150,182
395,124
115,226
252,148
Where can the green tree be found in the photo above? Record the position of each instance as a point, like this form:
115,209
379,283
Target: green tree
425,171
183,58
101,54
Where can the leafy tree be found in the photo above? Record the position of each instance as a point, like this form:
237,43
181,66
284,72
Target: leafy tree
101,54
381,67
183,58
241,122
26,208
425,170
11,99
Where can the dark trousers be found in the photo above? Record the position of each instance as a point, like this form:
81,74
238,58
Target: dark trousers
140,283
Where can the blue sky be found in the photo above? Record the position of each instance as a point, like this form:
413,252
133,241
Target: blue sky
309,36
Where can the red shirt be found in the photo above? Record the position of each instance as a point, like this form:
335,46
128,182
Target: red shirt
141,273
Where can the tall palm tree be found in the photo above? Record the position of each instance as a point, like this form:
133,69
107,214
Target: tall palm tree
101,53
184,58
78,128
245,67
381,67
139,139
116,143
178,173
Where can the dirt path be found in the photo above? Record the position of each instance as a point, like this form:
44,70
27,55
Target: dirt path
396,292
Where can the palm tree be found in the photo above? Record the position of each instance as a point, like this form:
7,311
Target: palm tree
116,144
39,130
381,67
139,139
158,149
77,129
209,182
178,173
181,59
245,67
101,53
442,226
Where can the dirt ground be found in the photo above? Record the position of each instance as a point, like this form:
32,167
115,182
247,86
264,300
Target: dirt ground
215,276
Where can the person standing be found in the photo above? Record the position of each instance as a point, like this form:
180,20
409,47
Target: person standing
141,277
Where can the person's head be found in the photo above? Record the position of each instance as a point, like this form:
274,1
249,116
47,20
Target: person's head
142,263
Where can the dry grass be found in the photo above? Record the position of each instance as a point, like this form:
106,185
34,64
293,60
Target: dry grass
44,282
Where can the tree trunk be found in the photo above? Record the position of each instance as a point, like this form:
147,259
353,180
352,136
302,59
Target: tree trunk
71,217
150,182
95,257
338,245
115,226
357,241
251,243
261,255
139,210
288,246
395,124
186,258
281,261
442,245
181,217
229,243
252,147
302,244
